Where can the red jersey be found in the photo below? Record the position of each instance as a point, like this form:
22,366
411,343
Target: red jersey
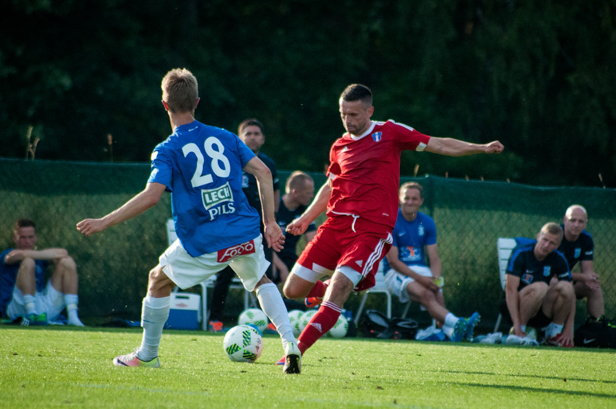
365,171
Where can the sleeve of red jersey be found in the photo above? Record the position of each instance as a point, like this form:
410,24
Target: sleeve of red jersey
409,139
334,168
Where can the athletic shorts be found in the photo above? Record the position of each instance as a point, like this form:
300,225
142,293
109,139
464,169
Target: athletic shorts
50,301
246,259
396,283
345,241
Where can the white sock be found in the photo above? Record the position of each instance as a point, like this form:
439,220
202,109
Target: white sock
30,304
555,330
450,320
273,306
72,300
153,317
448,331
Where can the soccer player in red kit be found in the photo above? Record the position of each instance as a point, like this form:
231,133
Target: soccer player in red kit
361,199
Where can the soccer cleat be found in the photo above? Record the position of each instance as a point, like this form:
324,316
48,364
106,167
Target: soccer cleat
132,360
293,359
459,330
430,334
312,302
33,319
281,361
215,326
271,329
471,322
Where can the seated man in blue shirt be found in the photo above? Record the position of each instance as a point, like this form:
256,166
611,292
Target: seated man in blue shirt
406,274
530,298
578,245
23,292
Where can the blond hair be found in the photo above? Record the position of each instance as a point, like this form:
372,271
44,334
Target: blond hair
180,90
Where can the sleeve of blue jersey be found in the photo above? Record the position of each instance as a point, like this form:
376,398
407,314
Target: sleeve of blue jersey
515,265
244,152
430,228
162,168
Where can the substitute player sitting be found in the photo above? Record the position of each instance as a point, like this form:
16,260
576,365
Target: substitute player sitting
406,273
361,199
202,166
530,299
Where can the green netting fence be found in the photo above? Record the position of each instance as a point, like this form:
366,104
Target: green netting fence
113,266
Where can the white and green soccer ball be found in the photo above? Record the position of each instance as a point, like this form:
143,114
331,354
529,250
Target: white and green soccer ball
243,343
295,316
254,316
306,317
340,329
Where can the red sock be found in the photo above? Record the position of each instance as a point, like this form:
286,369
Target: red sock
318,290
321,322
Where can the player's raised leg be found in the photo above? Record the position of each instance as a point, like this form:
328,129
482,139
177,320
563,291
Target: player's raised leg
154,314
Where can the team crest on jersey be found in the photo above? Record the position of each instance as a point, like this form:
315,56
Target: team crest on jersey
420,230
577,253
546,271
245,181
377,136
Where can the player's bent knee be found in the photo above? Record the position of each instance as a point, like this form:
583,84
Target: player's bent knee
68,263
27,264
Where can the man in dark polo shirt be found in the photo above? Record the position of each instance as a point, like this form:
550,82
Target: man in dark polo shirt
250,131
529,297
577,245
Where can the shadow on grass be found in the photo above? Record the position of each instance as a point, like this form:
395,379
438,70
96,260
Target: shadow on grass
540,390
526,376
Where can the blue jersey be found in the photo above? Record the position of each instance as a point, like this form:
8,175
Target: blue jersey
411,239
202,167
8,275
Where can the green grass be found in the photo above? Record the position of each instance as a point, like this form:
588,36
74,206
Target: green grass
63,367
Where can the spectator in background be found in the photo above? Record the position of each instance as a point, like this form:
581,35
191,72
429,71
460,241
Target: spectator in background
577,245
530,299
299,192
250,131
406,273
23,292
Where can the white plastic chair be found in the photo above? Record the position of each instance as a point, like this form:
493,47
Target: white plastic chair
504,246
236,283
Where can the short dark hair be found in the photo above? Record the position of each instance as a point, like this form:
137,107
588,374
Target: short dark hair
249,122
552,228
357,92
297,180
23,223
412,185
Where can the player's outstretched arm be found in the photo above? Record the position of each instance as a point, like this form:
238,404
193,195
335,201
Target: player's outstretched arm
273,234
148,198
455,147
298,226
17,256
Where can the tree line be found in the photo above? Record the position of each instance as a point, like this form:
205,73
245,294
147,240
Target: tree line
80,79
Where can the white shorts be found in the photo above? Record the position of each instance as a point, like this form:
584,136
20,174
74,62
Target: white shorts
396,283
247,260
50,301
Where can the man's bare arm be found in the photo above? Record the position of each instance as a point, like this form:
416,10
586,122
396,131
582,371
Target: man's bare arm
298,226
16,256
400,267
148,198
455,147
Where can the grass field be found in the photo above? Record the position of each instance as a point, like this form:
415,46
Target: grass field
67,367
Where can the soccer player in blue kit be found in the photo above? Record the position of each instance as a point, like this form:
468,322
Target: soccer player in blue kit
216,227
406,273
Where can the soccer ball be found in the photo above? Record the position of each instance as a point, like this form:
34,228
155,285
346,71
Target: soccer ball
306,317
295,316
341,328
243,343
254,316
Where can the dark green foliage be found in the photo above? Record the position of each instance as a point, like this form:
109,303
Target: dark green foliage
536,75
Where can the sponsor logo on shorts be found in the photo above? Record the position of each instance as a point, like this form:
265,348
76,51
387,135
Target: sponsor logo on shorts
230,253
